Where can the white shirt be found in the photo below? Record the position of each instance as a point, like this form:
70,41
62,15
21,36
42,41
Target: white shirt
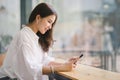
25,58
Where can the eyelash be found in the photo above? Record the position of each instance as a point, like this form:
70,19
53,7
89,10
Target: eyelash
49,22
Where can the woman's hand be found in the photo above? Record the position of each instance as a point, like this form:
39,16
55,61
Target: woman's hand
73,60
68,66
64,67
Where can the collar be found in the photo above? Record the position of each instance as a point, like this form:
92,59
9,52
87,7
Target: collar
33,34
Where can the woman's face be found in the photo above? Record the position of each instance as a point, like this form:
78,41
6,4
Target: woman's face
45,24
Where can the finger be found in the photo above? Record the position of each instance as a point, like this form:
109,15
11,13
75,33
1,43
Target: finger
72,58
74,65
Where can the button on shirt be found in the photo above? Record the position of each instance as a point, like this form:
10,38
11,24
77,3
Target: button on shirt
25,57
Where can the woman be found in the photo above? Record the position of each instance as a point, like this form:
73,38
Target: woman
27,57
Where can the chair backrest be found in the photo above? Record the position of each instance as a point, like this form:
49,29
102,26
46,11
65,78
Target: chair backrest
2,56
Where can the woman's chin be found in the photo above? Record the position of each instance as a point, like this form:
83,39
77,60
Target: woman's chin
43,32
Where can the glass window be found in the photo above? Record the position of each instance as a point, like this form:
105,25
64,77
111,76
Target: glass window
88,26
9,22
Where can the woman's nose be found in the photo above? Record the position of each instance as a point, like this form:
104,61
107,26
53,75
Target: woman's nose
50,26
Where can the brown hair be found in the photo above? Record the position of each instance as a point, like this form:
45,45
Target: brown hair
44,10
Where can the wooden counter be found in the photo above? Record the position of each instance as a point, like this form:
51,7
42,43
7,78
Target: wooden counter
84,72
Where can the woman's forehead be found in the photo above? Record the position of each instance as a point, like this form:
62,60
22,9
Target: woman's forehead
51,17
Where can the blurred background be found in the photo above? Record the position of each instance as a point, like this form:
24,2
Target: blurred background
89,27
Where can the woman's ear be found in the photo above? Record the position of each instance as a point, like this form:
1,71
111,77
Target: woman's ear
38,18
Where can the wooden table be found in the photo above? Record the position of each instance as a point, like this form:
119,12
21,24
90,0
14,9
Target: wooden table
84,72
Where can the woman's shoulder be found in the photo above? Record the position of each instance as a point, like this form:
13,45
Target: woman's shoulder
24,34
21,36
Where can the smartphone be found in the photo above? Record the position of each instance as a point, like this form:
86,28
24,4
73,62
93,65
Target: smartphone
81,56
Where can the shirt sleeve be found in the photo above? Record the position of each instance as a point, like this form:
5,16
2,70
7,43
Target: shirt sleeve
48,58
27,68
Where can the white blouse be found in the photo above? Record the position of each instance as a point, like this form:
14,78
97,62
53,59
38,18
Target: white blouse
25,58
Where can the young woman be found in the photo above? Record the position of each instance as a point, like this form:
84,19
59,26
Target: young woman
27,57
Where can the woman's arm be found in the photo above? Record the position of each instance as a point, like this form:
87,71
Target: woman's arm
57,67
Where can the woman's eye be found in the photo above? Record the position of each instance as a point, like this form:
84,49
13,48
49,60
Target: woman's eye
49,21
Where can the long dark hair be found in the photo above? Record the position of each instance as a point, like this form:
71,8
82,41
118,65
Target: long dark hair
44,10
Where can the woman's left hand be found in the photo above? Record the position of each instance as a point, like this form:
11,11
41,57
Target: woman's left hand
73,60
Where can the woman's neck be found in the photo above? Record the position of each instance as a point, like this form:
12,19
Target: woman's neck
33,27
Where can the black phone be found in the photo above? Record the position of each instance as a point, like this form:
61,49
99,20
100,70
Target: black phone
81,56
